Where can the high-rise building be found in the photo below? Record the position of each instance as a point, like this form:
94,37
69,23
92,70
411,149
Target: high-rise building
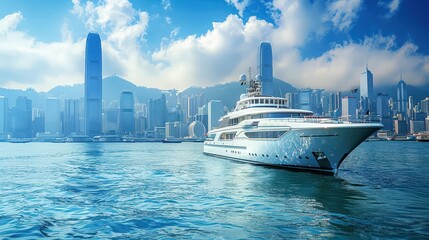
71,117
265,67
215,112
21,122
402,97
4,115
366,92
156,113
291,100
194,103
424,106
126,113
349,106
304,99
52,116
383,111
93,85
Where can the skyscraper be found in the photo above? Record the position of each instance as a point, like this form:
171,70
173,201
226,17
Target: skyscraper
156,113
4,110
93,87
402,96
349,106
71,117
21,118
52,116
215,112
366,92
126,113
265,67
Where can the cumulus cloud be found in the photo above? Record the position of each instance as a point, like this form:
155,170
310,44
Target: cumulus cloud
297,21
391,7
342,13
36,64
340,67
240,5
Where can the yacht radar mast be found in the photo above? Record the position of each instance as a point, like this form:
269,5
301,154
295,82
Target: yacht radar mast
254,88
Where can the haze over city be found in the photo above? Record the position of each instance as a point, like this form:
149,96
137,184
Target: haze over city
167,44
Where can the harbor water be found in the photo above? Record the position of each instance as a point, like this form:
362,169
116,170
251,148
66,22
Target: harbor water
173,191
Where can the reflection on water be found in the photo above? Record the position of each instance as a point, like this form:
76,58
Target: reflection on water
156,190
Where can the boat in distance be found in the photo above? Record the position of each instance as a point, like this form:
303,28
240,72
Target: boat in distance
262,130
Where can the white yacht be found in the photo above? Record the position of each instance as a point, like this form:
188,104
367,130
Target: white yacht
262,130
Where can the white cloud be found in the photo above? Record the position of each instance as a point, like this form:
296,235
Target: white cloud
342,13
297,21
240,5
36,64
166,4
340,67
391,7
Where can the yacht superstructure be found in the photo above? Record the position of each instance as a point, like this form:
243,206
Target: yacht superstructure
262,130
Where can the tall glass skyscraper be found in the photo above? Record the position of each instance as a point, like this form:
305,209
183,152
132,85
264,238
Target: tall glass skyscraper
265,67
52,116
367,92
93,87
402,96
126,113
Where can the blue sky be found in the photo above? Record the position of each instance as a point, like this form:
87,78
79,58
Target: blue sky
177,44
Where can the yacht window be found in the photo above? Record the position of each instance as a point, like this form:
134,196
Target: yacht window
276,101
253,101
267,101
265,134
271,101
227,136
257,101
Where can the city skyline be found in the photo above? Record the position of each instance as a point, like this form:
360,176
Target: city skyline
317,44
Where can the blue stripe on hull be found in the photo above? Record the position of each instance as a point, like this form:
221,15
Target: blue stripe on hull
283,166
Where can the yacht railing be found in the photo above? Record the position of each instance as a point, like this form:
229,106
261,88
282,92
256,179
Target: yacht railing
341,120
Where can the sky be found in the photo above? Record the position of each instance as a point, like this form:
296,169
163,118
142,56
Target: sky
177,44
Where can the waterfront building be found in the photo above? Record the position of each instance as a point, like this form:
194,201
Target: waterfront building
93,85
265,67
170,100
349,108
111,120
416,126
304,98
202,116
71,117
21,121
424,106
400,127
366,92
156,113
38,118
383,110
291,100
126,113
4,115
402,97
196,130
194,102
52,116
215,112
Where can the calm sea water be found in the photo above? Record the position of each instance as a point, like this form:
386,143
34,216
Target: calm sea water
155,190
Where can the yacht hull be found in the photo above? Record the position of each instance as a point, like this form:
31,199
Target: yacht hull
316,148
